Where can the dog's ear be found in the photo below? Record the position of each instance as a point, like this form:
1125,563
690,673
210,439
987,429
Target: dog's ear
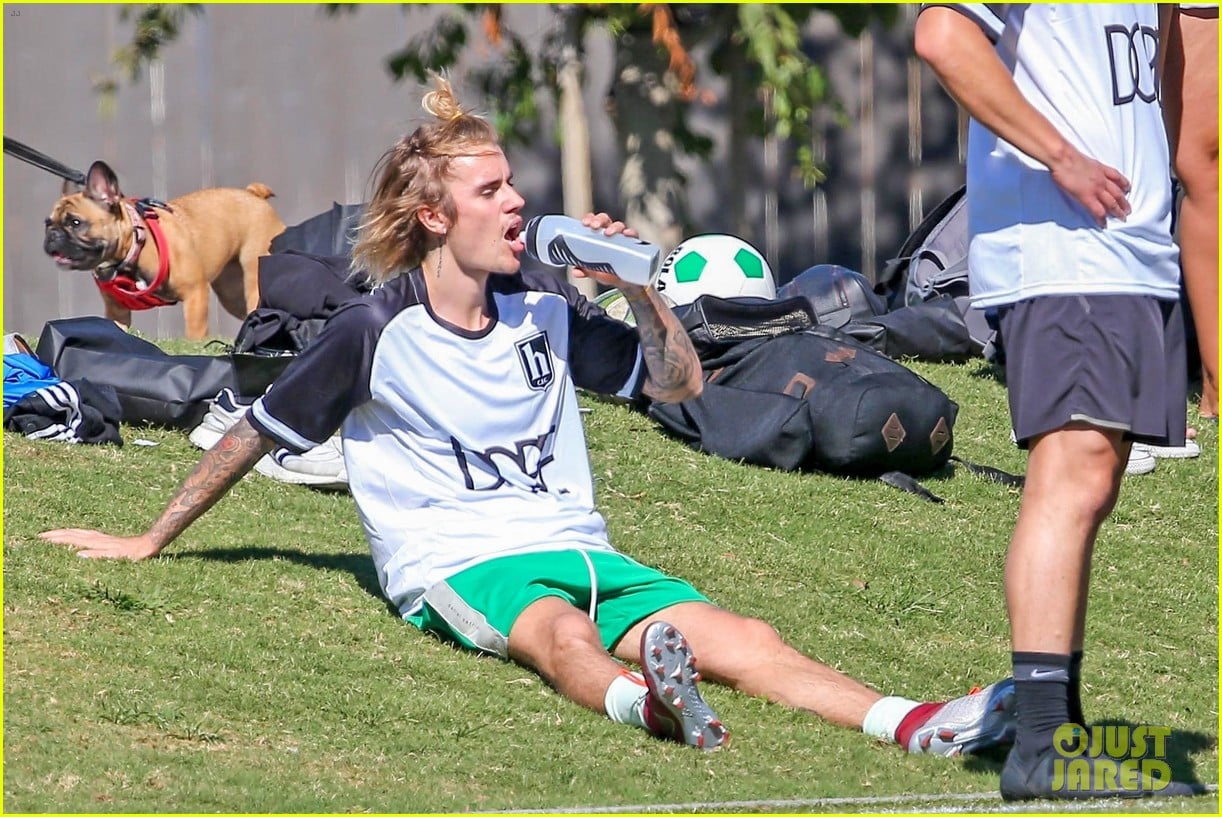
71,188
102,185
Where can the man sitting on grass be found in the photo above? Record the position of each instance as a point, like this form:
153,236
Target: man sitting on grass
453,386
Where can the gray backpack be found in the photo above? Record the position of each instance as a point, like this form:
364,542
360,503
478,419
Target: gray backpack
932,263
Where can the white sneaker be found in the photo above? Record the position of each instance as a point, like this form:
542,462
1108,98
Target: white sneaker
222,414
320,467
1140,462
15,344
1187,451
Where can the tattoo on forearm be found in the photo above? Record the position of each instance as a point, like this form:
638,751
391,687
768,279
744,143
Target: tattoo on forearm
222,466
668,352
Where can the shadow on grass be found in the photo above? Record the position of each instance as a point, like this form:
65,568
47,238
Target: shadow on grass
1180,747
989,371
360,565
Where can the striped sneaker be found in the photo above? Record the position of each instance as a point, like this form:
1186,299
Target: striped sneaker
320,467
224,411
673,708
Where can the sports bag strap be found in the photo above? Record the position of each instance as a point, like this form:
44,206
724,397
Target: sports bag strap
898,479
936,256
992,474
896,268
888,280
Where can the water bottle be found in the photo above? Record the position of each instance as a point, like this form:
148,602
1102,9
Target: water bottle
564,241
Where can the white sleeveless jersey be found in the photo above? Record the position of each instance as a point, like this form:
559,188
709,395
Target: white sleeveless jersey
459,446
1090,69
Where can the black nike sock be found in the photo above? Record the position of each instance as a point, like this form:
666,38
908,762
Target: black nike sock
1041,689
1075,688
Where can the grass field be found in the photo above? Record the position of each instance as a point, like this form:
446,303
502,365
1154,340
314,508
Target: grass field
255,668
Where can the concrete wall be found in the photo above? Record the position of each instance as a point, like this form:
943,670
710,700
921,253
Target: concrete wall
299,100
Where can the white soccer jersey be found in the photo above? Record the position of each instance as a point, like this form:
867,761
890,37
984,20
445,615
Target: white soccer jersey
459,446
1090,69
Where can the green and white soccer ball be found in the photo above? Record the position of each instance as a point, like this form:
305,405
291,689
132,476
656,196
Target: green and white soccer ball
715,264
616,306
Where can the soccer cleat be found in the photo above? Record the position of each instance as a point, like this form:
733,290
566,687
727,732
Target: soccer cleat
673,707
1049,776
980,720
224,411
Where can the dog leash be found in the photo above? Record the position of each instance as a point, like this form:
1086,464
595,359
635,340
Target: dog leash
40,160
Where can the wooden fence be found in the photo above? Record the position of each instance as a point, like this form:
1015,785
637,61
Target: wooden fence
301,101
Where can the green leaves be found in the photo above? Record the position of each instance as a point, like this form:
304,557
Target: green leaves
435,49
792,87
155,26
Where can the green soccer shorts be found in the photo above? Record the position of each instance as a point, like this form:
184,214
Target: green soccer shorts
478,606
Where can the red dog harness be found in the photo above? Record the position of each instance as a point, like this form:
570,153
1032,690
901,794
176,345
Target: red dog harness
125,287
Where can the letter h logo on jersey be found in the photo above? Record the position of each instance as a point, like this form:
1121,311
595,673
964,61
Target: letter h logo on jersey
535,355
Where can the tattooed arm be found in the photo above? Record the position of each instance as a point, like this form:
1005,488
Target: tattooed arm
222,466
674,367
671,361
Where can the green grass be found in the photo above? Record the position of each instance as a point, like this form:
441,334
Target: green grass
254,667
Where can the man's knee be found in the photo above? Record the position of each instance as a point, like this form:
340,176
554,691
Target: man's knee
549,629
739,647
1084,463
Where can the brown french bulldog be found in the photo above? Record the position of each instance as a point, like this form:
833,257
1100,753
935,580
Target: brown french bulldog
211,239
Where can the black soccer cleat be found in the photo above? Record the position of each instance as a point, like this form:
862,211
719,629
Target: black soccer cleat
1052,776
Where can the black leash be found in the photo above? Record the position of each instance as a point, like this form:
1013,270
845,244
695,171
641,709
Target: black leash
992,474
898,479
27,154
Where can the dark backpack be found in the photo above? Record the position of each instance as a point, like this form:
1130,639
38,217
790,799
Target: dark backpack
932,264
798,396
784,392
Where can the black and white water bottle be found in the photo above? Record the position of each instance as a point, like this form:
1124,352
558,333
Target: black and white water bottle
564,241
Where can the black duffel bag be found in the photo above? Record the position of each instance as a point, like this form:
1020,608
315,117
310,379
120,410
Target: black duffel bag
153,387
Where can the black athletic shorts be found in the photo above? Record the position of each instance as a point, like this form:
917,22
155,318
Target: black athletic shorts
1111,361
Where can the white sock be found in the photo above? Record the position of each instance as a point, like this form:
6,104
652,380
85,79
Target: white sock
885,716
625,699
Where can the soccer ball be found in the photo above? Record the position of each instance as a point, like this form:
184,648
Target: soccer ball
616,306
715,264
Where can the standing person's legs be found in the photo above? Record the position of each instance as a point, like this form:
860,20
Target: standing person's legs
1073,479
1191,103
1085,376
